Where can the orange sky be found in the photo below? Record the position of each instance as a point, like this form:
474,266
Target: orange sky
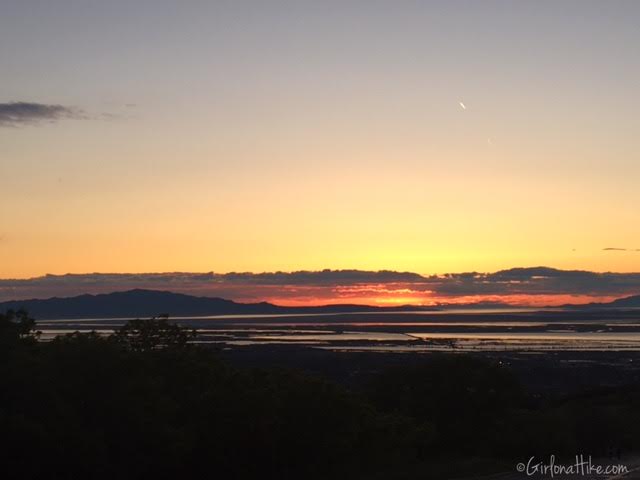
234,137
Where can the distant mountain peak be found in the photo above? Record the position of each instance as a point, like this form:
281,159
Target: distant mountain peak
142,303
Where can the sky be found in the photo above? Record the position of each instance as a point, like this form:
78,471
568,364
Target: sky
535,286
261,136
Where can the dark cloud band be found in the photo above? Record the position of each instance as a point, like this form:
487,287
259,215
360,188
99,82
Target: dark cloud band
15,114
258,286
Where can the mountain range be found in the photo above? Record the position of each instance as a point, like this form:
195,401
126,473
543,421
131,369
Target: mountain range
147,303
626,302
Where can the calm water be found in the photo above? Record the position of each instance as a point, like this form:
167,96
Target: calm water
460,330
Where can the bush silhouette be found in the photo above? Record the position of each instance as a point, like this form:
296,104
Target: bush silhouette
147,403
153,334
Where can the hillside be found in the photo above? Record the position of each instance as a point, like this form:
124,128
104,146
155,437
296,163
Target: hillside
147,303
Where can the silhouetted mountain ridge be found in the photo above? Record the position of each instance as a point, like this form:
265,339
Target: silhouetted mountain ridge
148,303
626,302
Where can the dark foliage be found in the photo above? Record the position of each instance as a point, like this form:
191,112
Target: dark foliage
16,325
462,398
145,403
153,334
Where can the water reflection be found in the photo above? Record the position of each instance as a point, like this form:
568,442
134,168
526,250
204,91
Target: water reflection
524,330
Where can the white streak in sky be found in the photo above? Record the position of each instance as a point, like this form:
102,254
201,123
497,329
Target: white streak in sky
462,105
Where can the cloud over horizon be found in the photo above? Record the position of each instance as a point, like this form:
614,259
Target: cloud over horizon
16,114
535,285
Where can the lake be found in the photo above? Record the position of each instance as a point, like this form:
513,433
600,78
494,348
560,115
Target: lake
454,330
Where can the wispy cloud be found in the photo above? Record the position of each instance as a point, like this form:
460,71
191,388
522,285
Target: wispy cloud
16,114
616,249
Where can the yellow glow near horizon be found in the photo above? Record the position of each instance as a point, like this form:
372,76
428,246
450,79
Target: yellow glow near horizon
382,219
252,144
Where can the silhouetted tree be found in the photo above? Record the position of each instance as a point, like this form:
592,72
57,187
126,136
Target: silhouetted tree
152,334
82,406
17,326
